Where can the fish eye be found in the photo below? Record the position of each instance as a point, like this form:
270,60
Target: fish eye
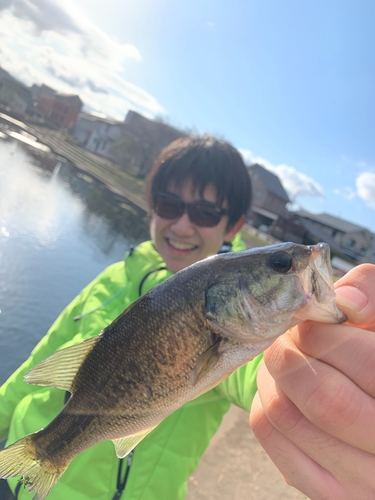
281,262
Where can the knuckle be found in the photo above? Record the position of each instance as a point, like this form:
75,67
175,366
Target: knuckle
334,404
282,413
260,425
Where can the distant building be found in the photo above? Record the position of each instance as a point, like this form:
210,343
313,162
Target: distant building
14,95
269,198
60,109
98,135
6,75
372,251
41,90
134,143
346,238
142,142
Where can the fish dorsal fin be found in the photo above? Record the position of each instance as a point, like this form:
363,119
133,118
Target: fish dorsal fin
205,362
60,369
125,445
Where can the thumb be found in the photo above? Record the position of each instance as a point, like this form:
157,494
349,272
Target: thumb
355,296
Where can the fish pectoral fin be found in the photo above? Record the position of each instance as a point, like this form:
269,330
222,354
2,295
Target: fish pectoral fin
59,369
205,362
125,445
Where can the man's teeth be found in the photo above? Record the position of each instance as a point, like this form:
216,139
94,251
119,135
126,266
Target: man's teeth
181,246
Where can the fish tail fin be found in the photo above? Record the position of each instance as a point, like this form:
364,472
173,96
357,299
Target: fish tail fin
19,459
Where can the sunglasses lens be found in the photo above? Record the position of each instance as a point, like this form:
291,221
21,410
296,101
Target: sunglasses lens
204,216
168,207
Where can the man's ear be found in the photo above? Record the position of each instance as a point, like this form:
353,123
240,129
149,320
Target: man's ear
231,233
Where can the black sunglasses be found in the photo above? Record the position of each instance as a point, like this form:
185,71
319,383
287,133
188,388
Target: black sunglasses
202,213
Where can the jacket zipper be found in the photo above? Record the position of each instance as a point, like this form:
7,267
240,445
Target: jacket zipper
121,481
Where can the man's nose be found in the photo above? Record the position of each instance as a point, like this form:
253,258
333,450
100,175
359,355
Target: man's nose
183,225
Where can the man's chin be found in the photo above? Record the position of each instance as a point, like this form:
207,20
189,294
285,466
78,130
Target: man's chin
175,263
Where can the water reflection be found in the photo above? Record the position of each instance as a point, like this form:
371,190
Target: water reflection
106,215
57,232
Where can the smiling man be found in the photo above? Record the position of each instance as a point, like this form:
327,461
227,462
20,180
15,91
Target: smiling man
198,193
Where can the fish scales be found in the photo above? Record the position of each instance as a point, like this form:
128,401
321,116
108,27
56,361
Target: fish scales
163,343
127,387
176,342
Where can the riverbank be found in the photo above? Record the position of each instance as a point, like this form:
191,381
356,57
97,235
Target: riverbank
116,179
64,147
119,181
236,467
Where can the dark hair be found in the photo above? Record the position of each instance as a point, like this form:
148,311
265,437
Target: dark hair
205,160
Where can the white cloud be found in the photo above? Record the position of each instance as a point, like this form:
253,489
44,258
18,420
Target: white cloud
294,182
365,183
247,155
346,192
43,41
44,14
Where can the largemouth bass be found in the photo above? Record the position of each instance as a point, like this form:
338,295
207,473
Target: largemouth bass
173,344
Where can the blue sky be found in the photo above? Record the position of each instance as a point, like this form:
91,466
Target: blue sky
290,83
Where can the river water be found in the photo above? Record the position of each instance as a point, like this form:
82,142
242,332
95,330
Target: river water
57,232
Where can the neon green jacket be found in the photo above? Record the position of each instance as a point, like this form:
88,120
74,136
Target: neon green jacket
164,460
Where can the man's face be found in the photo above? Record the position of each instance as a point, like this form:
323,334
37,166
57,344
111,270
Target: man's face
181,242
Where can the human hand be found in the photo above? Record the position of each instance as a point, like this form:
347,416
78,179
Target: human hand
314,412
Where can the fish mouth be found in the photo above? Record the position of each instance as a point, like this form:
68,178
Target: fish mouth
318,286
180,245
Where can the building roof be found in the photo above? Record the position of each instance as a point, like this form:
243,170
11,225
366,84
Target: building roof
5,74
69,97
97,118
38,90
331,221
133,118
271,181
266,213
18,87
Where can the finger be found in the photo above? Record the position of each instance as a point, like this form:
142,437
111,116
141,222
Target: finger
297,468
325,396
355,296
348,349
309,458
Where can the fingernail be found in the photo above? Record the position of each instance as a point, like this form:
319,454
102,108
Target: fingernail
351,298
